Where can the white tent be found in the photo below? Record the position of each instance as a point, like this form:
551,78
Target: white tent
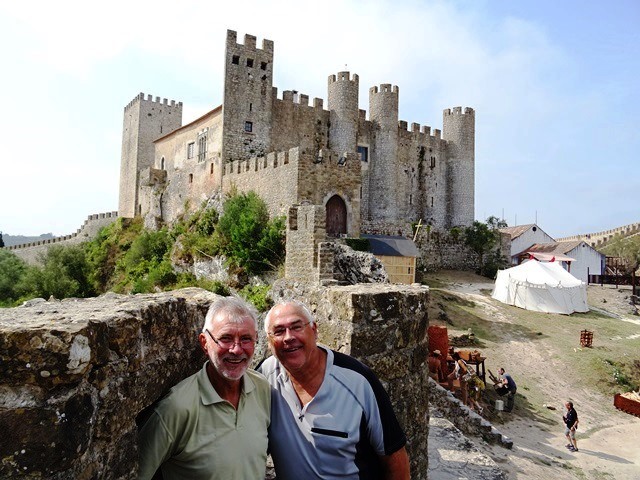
541,287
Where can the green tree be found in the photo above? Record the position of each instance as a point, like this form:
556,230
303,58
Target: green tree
12,271
627,248
484,240
247,236
64,273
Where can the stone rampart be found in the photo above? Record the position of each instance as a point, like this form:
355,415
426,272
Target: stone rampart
599,238
30,252
75,374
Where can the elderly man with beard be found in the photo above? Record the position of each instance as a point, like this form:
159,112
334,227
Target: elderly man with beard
331,417
213,424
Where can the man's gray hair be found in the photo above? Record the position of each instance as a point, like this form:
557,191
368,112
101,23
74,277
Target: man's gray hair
301,306
236,310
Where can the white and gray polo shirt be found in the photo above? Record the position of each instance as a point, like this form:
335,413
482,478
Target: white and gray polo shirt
338,434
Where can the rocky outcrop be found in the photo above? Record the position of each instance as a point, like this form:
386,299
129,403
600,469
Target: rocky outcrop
358,267
75,374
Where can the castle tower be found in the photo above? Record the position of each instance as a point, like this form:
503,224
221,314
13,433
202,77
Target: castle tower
383,109
458,129
248,80
145,120
343,108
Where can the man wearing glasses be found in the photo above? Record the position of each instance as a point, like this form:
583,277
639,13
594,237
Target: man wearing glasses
213,424
331,417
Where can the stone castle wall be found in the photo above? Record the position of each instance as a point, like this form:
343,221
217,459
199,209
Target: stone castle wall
144,121
599,238
30,252
75,374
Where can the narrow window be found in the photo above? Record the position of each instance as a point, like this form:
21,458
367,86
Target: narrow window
248,127
212,169
363,153
432,202
250,107
235,59
190,148
202,147
433,162
162,163
410,199
250,62
191,178
263,65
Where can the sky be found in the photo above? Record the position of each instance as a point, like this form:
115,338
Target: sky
554,86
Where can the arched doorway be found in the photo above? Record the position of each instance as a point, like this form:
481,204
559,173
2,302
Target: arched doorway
336,216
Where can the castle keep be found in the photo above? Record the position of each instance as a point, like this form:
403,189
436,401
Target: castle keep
372,175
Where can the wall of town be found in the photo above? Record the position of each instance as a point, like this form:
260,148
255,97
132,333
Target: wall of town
30,252
599,238
75,374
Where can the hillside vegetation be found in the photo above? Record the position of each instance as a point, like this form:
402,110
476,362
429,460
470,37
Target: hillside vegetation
126,258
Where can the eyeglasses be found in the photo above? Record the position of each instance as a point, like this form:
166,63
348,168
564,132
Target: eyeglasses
294,328
227,342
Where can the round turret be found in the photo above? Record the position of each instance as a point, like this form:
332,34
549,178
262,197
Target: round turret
343,108
458,129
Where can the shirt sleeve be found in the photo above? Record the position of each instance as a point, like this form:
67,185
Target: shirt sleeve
154,445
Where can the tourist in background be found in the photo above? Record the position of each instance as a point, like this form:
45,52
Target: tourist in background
507,382
571,425
462,373
213,425
436,369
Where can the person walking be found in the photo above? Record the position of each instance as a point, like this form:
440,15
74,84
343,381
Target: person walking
571,425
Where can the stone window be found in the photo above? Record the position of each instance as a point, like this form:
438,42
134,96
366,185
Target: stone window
263,65
235,60
248,127
190,148
162,163
250,62
363,153
250,107
191,178
431,202
202,147
211,168
433,162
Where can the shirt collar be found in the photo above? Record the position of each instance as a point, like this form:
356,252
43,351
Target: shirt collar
208,394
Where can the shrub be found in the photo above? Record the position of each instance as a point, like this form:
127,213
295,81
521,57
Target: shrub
257,295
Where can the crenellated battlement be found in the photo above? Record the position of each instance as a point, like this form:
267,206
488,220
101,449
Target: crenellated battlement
422,133
91,219
249,42
268,162
297,99
458,111
344,77
384,88
141,98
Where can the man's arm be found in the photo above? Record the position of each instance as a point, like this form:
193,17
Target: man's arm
396,465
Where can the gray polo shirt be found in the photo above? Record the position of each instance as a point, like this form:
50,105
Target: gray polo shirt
338,434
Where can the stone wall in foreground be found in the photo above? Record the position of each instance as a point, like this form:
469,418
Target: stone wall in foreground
75,374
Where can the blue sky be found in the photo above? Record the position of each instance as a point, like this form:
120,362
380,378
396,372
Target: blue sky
554,86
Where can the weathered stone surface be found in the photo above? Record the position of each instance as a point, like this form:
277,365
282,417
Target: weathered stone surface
75,374
358,267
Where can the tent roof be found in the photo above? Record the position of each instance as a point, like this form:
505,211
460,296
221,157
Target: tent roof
543,273
392,246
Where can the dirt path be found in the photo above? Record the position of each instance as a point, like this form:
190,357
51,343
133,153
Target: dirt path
607,438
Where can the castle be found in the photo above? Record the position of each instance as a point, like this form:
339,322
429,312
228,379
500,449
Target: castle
369,175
